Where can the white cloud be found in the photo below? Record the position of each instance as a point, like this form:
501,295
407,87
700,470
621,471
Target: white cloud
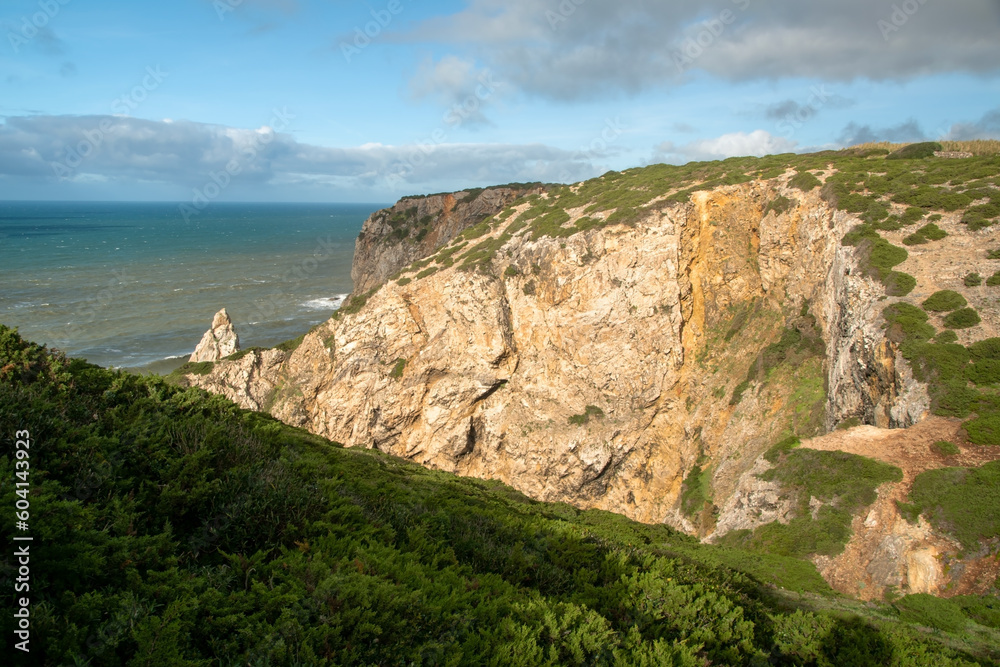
734,144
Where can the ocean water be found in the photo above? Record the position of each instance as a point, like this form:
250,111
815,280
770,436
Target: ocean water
134,285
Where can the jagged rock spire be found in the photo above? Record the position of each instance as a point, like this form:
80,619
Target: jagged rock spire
219,341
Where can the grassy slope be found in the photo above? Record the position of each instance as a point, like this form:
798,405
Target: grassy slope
172,528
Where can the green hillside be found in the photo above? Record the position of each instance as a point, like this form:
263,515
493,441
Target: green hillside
172,528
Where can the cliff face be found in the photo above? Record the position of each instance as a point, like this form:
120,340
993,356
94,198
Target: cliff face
490,372
637,363
415,227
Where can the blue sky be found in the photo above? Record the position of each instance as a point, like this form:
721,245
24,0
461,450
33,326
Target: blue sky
336,100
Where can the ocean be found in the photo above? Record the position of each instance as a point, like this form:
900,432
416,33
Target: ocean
135,285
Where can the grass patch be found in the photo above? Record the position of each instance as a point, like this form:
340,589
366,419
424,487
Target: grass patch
290,345
588,412
397,369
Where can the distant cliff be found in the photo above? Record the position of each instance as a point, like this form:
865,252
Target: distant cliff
636,343
415,227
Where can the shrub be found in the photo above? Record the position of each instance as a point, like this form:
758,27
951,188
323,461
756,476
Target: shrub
945,448
944,301
964,502
511,271
993,254
984,371
907,322
945,337
984,430
988,348
973,280
397,369
915,239
915,151
779,205
805,181
962,319
993,280
403,282
931,611
932,232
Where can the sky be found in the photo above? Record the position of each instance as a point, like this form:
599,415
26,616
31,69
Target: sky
348,101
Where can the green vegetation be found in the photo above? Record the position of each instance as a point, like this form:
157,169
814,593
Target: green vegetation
290,345
805,181
993,280
945,448
397,369
963,502
932,612
915,151
944,301
842,483
191,368
695,492
779,205
588,412
929,232
962,319
403,282
174,528
946,336
877,257
354,304
973,280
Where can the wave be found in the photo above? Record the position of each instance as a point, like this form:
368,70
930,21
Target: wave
325,303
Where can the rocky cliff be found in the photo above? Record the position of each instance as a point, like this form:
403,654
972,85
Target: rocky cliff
633,343
415,227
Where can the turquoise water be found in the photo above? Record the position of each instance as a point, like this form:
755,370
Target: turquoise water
134,285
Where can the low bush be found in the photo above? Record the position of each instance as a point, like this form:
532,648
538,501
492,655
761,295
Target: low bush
994,280
973,280
805,181
944,301
931,611
945,448
915,151
962,319
963,502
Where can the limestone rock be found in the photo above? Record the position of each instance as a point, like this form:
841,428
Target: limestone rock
219,341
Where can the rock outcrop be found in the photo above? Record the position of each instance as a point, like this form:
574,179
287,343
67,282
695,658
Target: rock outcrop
415,227
218,342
